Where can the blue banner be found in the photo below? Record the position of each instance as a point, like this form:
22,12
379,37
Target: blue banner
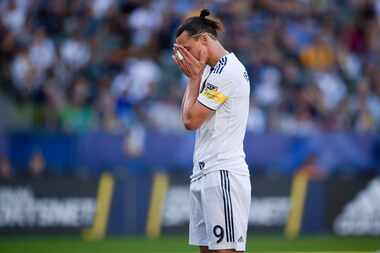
98,151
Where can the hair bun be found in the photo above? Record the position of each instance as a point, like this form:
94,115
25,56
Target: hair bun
204,13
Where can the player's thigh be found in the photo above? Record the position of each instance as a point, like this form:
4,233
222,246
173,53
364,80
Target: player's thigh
213,207
227,199
197,226
239,190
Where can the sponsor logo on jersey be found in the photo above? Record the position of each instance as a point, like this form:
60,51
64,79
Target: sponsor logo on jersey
246,76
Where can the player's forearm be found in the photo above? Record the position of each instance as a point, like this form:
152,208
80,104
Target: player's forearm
188,102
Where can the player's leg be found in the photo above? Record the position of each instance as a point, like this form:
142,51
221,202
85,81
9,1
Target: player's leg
204,249
226,199
197,226
226,251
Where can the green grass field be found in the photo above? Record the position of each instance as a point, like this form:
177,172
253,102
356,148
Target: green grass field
178,244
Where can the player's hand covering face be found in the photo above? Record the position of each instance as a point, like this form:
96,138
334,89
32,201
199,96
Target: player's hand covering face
188,64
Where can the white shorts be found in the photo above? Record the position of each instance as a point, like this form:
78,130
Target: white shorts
220,203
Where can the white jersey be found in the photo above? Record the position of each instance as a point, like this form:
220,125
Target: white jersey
219,141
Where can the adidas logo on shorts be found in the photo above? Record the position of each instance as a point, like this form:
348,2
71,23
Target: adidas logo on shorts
241,239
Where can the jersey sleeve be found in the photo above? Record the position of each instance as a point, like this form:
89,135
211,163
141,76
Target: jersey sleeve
215,91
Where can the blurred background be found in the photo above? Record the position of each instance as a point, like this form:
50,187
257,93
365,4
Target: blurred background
90,115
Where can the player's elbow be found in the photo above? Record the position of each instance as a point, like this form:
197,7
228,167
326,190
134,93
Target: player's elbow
190,125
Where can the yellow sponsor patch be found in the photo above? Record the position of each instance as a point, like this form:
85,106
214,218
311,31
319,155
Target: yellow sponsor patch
214,95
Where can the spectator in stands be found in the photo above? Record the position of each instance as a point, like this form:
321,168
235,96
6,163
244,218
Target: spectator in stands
77,114
75,52
256,119
42,53
6,172
106,108
23,72
319,49
13,16
37,166
164,114
365,108
319,56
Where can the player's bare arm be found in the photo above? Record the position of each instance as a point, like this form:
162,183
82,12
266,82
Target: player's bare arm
193,113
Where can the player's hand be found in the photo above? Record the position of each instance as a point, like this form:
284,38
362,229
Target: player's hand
188,64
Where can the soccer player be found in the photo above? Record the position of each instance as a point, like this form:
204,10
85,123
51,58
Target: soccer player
216,105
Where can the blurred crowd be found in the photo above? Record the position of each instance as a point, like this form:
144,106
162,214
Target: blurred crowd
82,65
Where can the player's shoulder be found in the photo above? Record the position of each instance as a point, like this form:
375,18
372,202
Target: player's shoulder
229,68
220,66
